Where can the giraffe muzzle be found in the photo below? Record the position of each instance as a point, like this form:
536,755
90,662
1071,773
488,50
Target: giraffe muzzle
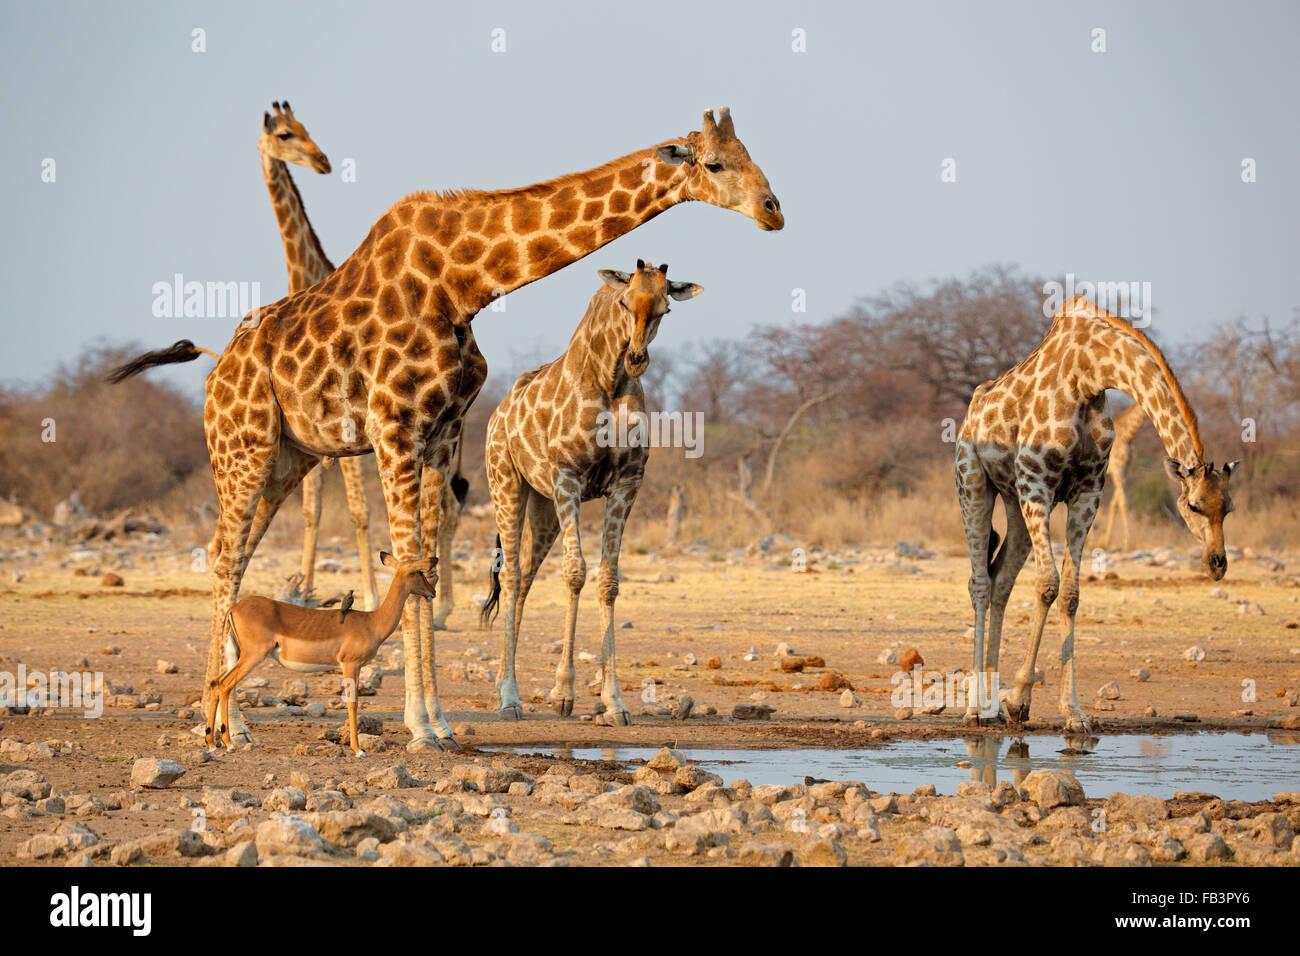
320,163
637,361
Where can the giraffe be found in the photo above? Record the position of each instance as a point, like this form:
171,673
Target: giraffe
1127,425
285,140
380,356
1040,435
549,449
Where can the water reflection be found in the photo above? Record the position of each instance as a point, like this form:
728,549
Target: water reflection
1232,766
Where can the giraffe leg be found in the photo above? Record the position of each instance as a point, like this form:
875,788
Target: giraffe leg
1079,520
399,472
446,533
1006,568
311,505
1122,498
543,529
1036,510
354,483
509,494
617,508
432,480
976,500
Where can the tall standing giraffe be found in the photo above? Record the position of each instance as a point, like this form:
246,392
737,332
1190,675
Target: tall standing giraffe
1040,435
1127,424
380,355
285,140
549,449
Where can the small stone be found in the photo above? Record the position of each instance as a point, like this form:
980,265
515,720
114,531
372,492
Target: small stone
396,777
911,660
937,845
152,773
166,667
849,699
1194,653
903,713
1052,788
1141,675
1109,691
111,580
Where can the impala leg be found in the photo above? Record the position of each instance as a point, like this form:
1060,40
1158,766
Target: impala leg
350,671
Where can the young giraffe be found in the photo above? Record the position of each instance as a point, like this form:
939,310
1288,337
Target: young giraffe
546,455
382,351
1127,425
284,140
1039,436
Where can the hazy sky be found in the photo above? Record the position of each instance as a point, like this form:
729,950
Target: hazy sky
1122,165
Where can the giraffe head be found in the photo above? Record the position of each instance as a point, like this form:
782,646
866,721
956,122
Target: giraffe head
719,171
642,301
1204,501
285,139
417,576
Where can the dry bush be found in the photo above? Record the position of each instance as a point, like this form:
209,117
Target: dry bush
118,446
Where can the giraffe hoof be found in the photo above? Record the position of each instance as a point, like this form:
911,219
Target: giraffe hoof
614,718
450,744
972,720
241,740
1017,713
511,712
564,707
424,745
1078,725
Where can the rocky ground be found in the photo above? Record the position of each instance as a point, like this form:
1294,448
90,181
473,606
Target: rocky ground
716,649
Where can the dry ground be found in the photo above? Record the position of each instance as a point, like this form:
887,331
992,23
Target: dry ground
848,609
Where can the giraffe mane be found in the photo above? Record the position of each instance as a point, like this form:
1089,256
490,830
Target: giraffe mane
311,231
536,189
1081,306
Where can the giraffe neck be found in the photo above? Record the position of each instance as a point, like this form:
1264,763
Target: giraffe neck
1112,354
492,243
304,257
599,344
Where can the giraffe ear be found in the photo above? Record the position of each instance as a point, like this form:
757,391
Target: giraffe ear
1230,467
618,281
1175,469
684,290
266,122
676,154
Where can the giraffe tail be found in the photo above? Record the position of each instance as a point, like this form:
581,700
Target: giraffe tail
490,606
993,547
182,351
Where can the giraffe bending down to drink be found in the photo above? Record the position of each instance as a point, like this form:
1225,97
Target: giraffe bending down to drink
1039,436
548,451
380,356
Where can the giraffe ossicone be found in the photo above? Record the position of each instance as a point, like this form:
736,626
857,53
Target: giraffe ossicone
1039,436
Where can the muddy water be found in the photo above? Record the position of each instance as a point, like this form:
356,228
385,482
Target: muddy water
1230,766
